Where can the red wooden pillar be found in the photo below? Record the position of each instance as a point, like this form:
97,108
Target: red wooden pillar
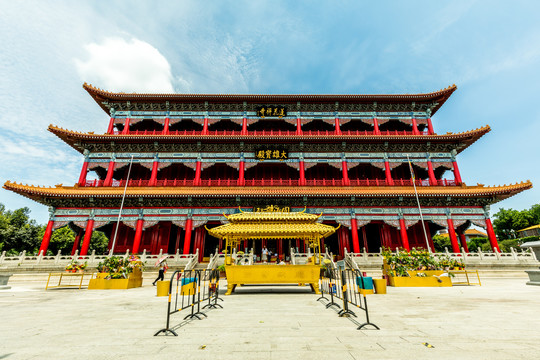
153,177
187,238
345,173
452,233
298,245
432,179
84,171
202,238
298,126
138,236
491,236
110,129
341,241
126,127
415,127
376,126
364,238
280,248
302,173
354,231
463,240
244,126
76,242
196,239
46,237
403,233
241,177
166,126
205,126
457,175
87,236
321,250
428,233
110,173
388,174
430,127
337,128
197,180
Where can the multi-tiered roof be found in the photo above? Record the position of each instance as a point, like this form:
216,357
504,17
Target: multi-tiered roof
231,193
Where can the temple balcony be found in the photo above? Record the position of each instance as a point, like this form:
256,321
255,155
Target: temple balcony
269,182
270,133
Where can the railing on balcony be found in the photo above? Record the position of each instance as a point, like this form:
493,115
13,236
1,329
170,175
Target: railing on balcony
270,182
268,133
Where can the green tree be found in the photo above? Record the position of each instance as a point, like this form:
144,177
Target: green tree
535,213
61,239
17,231
440,242
99,243
478,242
508,222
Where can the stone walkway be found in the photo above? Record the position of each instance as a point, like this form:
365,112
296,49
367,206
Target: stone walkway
499,320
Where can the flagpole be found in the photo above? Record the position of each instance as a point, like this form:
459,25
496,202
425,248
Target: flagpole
121,206
418,203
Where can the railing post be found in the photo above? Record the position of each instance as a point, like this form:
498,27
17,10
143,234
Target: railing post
513,251
92,256
40,256
57,258
2,257
446,251
497,254
463,255
21,257
176,257
480,253
532,253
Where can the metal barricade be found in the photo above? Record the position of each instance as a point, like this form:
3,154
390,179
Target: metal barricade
349,286
188,289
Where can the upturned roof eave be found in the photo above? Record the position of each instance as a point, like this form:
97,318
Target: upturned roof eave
36,193
465,139
101,96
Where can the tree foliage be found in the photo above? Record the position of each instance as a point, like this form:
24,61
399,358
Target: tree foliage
20,233
17,231
508,222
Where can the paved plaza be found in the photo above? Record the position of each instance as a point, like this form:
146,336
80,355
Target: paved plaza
499,320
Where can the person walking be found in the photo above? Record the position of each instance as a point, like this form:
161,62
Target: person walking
161,275
264,256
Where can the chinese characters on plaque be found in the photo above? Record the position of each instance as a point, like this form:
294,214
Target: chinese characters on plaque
273,111
272,208
271,154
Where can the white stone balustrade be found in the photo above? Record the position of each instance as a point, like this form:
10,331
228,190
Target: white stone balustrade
59,261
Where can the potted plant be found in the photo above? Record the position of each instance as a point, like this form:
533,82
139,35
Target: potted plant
221,269
74,265
115,272
326,269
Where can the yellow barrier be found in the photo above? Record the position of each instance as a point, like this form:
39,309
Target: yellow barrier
380,286
272,274
188,289
163,288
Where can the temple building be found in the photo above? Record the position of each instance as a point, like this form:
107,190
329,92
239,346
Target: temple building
360,160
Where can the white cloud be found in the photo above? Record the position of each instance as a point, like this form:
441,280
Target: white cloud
126,66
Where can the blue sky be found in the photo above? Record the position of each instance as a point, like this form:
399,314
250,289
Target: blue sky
489,49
